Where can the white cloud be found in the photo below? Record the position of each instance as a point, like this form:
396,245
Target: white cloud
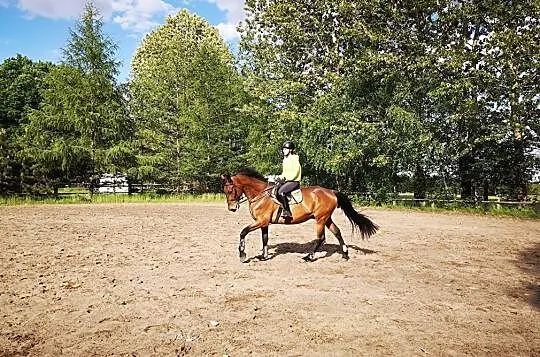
234,10
139,16
51,8
227,31
132,15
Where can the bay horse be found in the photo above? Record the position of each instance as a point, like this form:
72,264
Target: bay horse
318,203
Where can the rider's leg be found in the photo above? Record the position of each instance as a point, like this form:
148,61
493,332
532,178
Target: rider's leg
285,204
283,191
280,196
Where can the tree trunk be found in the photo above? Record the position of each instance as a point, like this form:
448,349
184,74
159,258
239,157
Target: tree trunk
419,182
520,188
485,191
466,183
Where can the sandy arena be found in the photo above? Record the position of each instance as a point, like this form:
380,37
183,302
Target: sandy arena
165,280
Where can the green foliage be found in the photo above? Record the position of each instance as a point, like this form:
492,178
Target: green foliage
20,83
331,69
485,103
382,89
185,95
81,128
437,97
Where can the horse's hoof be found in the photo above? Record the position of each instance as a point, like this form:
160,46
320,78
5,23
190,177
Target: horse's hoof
242,257
309,258
345,256
262,258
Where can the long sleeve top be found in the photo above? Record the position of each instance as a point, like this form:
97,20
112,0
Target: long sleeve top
292,171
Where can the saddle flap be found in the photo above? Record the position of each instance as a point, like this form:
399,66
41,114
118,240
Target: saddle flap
296,196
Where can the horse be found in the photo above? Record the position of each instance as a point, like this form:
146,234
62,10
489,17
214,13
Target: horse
318,203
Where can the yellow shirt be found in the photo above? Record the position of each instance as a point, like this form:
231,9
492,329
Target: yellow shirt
292,171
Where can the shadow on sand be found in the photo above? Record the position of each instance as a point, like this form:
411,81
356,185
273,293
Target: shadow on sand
528,261
305,248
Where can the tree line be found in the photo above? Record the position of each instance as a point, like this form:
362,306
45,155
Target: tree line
434,97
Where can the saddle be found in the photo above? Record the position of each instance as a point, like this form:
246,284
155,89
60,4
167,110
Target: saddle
293,198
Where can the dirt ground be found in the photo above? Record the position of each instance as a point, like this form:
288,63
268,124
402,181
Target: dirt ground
165,279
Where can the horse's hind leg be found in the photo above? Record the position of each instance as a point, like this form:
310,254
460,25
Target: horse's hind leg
320,240
335,230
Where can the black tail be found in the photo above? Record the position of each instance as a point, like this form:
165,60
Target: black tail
358,220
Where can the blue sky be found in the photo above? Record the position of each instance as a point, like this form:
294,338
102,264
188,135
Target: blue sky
39,29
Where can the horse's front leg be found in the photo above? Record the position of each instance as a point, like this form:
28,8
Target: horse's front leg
243,234
264,231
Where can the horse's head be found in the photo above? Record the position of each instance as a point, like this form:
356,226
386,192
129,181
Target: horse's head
233,193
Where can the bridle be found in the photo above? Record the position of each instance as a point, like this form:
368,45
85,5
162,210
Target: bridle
237,196
241,198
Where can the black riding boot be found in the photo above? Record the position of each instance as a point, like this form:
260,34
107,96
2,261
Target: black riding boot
286,210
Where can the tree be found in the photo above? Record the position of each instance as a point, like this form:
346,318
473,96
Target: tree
335,74
513,59
487,55
441,90
294,54
20,83
185,96
81,129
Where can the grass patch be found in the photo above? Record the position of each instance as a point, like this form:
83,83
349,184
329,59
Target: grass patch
529,211
84,198
112,198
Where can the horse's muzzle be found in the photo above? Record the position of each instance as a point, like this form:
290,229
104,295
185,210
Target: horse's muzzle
233,206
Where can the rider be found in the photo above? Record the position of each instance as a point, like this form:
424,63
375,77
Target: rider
290,178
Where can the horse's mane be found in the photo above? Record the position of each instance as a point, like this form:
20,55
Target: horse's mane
251,172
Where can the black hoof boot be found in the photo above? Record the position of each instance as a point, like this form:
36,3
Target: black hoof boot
309,258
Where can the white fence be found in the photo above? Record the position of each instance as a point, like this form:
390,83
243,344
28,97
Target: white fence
113,184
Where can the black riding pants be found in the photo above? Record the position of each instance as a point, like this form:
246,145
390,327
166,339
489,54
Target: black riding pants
288,187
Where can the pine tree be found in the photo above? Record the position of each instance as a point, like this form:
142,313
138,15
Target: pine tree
81,129
20,83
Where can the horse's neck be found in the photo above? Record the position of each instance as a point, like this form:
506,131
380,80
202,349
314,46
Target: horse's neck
253,188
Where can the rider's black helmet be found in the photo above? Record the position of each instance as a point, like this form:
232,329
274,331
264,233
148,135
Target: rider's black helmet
288,145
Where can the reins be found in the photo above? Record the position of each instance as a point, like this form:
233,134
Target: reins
260,195
243,198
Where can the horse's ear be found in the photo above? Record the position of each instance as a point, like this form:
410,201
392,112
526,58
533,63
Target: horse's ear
226,178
